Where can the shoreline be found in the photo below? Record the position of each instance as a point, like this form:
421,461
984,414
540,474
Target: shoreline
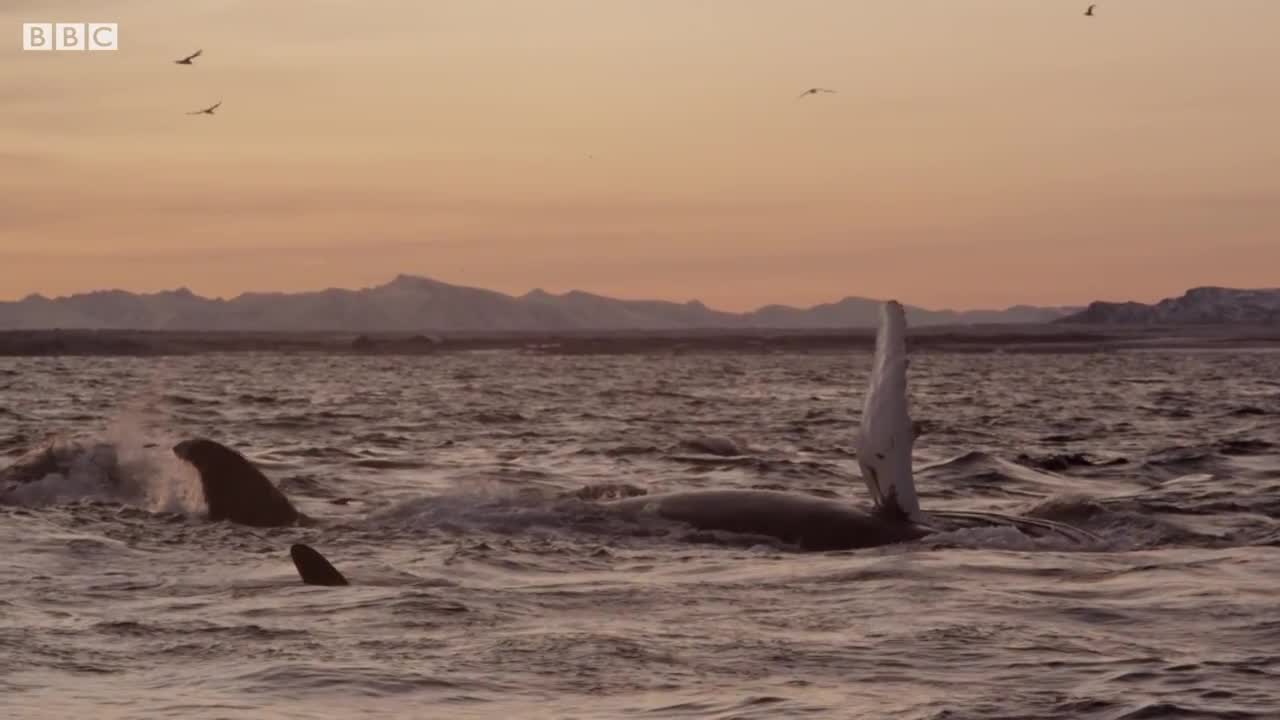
1046,338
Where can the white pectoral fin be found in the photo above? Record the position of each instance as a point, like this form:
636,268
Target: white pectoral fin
886,435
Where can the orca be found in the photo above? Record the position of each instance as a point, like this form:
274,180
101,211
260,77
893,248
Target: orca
313,568
234,489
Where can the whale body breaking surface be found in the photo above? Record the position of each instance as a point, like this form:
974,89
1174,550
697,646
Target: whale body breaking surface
808,522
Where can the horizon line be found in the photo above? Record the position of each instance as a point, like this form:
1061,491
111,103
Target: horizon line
409,276
693,301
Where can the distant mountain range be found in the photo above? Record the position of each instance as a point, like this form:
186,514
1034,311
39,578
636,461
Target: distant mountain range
1198,306
419,304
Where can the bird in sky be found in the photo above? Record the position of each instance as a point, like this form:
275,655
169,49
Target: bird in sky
1089,12
187,60
207,111
813,91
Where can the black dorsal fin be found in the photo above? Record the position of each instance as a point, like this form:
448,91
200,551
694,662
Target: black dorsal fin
313,568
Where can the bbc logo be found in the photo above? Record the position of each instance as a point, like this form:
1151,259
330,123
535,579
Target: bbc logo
70,36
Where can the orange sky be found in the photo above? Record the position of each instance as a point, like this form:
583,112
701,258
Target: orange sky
978,152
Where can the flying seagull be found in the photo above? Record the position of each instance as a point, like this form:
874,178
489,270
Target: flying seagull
1089,12
813,91
187,60
207,111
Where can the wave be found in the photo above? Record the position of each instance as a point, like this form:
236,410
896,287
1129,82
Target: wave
124,465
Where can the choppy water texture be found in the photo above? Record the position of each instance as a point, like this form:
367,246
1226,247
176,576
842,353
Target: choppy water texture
478,594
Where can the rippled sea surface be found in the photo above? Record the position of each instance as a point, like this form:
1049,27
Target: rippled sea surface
480,591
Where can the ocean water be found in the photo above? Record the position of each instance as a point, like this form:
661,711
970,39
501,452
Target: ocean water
481,590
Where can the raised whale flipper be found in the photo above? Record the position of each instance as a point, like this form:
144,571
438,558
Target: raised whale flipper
886,433
234,489
313,568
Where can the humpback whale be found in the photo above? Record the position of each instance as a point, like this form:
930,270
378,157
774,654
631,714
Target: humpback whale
810,522
883,445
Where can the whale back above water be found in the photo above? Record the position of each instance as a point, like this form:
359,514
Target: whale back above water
811,523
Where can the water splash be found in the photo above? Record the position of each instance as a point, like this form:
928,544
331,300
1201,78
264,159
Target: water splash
151,475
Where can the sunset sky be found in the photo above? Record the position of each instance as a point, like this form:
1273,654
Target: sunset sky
978,152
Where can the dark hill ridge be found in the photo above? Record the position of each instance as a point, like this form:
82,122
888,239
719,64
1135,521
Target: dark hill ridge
1198,306
417,304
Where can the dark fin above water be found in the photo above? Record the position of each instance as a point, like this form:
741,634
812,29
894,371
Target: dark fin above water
234,489
313,568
